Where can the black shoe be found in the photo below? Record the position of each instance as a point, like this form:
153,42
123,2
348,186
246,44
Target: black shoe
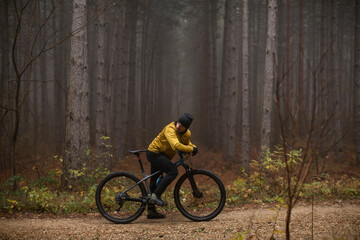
153,214
157,201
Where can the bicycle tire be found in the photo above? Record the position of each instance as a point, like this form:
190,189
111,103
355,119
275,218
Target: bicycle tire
116,209
208,204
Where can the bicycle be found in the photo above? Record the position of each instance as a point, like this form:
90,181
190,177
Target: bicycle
199,194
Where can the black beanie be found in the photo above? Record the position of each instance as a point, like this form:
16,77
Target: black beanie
186,119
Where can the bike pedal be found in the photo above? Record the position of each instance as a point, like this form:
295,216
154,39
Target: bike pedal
157,201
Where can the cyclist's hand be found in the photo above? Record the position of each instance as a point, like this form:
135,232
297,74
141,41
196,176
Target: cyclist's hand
195,151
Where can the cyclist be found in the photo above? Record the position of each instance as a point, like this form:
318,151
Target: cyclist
175,136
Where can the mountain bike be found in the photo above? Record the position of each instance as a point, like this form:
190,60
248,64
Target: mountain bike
199,194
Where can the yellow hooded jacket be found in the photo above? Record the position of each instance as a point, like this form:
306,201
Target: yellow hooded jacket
169,140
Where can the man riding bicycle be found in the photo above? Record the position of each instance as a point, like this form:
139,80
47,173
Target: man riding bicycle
175,136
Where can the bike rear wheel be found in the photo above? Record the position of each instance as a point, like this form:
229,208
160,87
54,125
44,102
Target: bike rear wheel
117,206
200,195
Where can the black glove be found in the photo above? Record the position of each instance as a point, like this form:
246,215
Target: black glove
195,151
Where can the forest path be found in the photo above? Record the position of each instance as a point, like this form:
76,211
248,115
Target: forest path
331,221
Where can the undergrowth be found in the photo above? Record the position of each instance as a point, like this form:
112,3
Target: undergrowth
44,194
266,184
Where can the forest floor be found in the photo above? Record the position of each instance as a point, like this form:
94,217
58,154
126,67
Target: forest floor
337,220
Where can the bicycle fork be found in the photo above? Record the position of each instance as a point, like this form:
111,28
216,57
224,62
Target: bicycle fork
196,191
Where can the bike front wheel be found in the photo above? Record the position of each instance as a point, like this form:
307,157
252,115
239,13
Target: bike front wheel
199,195
119,198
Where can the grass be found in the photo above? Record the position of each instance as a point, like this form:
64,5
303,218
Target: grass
265,185
45,195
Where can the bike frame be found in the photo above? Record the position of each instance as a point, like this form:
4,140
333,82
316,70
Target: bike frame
193,185
181,162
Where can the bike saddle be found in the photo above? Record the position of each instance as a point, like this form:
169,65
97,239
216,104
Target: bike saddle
137,152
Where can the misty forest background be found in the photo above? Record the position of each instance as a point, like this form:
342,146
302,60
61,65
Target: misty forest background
254,74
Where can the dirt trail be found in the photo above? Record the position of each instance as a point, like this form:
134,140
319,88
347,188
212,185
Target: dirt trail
331,221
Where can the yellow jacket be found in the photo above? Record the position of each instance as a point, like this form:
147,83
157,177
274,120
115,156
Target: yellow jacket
169,140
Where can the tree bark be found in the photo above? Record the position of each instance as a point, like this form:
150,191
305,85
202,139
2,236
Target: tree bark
300,105
215,93
269,75
245,88
324,60
229,82
77,132
14,106
59,83
102,111
357,83
121,84
4,81
288,94
44,109
131,110
335,81
143,72
204,85
113,80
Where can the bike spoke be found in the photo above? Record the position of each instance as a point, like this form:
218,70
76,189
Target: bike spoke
200,196
117,205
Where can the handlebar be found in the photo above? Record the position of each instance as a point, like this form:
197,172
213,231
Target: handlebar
180,153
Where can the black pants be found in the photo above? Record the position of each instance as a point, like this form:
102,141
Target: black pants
161,162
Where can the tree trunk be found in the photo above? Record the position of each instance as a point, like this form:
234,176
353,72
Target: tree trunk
288,94
324,60
44,109
113,79
77,132
215,93
357,83
204,85
102,112
4,81
229,82
324,66
269,74
121,85
143,73
335,81
14,106
289,208
35,113
245,88
131,110
59,84
300,105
